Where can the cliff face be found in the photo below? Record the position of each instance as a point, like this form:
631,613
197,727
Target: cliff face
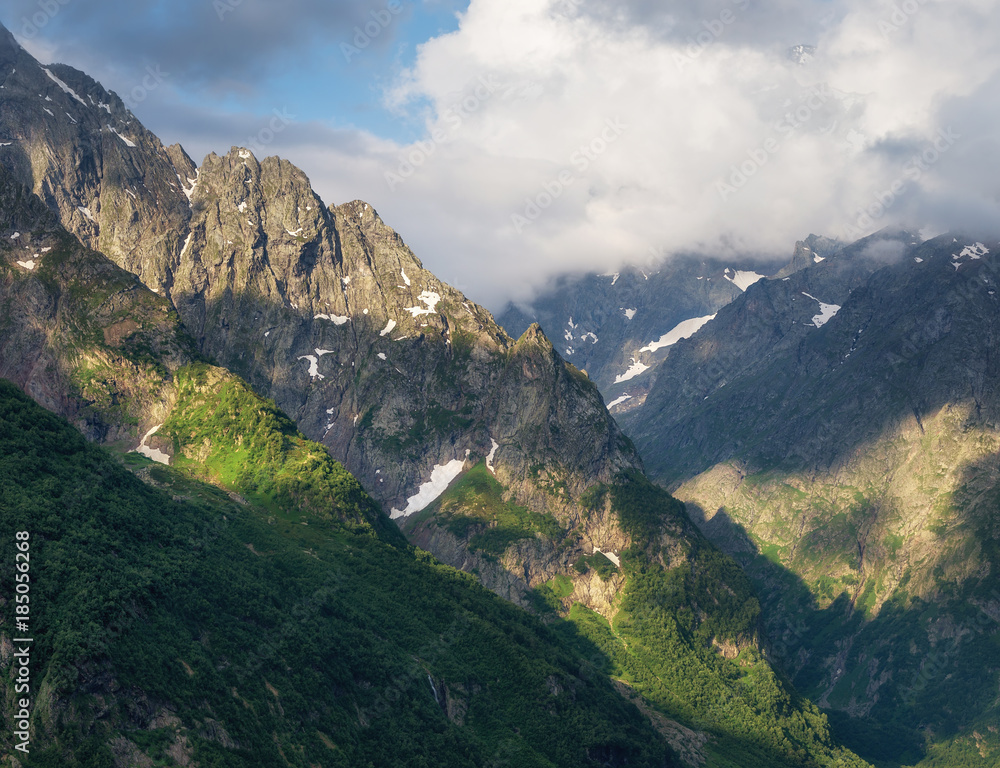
401,376
328,311
77,146
88,341
85,338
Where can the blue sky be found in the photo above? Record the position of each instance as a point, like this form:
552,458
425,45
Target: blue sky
510,141
330,67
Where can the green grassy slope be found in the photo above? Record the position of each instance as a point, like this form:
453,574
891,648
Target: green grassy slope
173,623
683,636
684,626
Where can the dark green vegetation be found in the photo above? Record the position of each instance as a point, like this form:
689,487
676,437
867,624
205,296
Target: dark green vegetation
604,567
684,638
178,622
474,504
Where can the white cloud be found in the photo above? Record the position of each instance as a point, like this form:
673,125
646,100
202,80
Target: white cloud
817,142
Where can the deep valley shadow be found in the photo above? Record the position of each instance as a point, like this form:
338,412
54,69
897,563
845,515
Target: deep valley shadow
884,685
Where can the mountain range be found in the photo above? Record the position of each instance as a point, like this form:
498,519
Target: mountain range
833,429
296,501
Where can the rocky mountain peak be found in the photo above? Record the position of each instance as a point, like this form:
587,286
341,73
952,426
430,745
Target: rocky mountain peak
362,212
534,336
76,145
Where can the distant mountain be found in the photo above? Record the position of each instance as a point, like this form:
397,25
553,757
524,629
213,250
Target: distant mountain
836,432
801,54
619,327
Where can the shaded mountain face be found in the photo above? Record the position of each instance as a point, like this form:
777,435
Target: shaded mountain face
844,449
770,336
88,341
328,311
84,337
620,327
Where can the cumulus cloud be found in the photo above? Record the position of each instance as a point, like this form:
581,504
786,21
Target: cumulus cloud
723,143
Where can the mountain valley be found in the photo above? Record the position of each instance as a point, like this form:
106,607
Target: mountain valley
295,501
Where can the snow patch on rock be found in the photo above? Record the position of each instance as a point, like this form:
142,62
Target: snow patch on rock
684,330
826,311
636,369
441,477
335,319
128,142
152,453
431,299
65,88
489,458
742,279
